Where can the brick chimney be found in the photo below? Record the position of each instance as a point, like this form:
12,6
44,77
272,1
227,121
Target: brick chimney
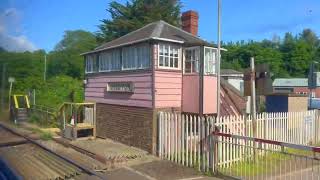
190,22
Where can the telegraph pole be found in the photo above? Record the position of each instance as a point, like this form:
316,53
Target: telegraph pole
218,59
253,104
215,146
253,97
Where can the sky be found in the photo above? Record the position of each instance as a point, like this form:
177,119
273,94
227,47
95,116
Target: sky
40,24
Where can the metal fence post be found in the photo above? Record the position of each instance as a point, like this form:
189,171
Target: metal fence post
316,123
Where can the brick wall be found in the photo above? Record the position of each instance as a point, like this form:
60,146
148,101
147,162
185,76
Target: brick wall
134,126
189,21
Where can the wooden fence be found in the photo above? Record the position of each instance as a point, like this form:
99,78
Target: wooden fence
188,139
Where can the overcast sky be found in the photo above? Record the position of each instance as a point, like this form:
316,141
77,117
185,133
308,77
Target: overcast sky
40,24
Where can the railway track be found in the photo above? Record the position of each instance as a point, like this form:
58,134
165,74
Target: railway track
28,159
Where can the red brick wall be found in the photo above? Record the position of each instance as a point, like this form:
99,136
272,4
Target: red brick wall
305,89
134,126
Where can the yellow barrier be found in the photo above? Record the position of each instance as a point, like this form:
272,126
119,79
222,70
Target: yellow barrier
16,103
27,101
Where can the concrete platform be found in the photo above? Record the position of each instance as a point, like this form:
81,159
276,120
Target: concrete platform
109,149
157,170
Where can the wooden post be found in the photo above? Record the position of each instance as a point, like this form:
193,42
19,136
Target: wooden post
10,90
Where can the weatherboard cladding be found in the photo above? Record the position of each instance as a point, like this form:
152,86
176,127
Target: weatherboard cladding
141,97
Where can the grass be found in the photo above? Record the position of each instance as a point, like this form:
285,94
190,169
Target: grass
41,121
261,165
270,163
46,136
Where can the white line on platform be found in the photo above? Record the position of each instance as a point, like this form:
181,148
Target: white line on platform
191,178
140,173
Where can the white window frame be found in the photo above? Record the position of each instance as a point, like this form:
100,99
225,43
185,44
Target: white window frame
87,60
110,60
214,62
169,49
135,58
185,60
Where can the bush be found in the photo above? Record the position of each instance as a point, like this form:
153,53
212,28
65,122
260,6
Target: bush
58,89
34,119
46,136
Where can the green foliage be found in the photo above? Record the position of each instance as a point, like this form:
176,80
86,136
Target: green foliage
65,69
34,119
135,14
66,59
46,136
58,89
290,57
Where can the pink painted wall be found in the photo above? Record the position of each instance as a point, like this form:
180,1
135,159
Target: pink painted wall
168,87
190,93
141,97
209,94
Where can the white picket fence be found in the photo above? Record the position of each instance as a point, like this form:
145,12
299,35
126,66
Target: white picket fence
185,139
188,139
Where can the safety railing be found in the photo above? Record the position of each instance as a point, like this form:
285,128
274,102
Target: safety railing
189,139
45,115
21,101
288,161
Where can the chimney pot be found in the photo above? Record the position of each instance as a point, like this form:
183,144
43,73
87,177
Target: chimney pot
189,21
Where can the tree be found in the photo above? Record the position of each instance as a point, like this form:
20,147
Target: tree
310,37
66,59
300,58
133,15
290,57
76,41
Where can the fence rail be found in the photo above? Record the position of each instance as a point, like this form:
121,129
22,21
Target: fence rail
288,161
188,139
46,114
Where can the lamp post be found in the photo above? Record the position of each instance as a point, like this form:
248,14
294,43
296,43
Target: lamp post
218,59
11,80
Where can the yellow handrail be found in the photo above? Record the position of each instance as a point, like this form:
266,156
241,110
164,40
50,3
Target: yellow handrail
15,101
27,101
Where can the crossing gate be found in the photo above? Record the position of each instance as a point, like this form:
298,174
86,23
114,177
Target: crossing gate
189,139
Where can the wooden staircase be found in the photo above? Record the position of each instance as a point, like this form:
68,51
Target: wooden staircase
22,114
19,108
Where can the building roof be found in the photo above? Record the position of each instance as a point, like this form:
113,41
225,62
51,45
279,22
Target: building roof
290,82
229,71
232,102
159,30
